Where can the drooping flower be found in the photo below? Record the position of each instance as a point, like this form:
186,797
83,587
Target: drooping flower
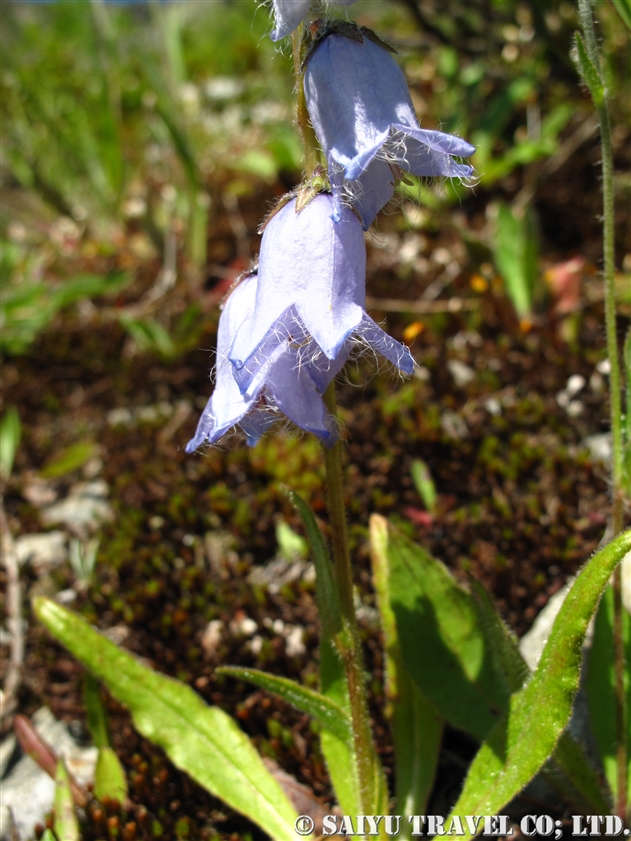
360,107
287,331
313,270
290,379
289,14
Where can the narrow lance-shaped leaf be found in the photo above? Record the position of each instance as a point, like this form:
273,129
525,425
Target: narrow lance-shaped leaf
623,7
522,740
338,752
66,825
600,687
416,726
95,711
568,772
325,711
10,431
201,740
589,72
459,652
109,776
442,639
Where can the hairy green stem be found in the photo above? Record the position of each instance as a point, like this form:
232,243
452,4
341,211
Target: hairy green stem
352,651
621,711
307,134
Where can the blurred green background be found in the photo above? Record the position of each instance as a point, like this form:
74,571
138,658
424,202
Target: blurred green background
129,129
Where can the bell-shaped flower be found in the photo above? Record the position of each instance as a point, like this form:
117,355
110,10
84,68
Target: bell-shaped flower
289,14
362,113
311,271
290,377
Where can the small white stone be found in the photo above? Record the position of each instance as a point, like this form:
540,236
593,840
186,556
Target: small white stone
574,384
461,373
212,636
43,551
563,399
294,645
575,408
28,791
255,645
244,627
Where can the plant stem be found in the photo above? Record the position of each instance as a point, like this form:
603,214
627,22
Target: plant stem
307,134
615,401
351,652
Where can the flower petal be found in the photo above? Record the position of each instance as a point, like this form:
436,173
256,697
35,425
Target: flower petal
227,406
289,14
296,395
315,265
377,339
362,113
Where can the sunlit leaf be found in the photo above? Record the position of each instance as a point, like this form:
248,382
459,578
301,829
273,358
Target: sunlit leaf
66,825
416,726
70,459
424,484
10,432
523,739
327,713
95,711
339,753
201,740
515,253
109,776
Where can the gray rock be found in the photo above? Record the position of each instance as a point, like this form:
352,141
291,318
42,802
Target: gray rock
27,791
599,447
461,373
83,510
43,551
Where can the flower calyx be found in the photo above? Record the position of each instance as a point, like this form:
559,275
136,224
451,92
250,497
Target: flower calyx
318,182
320,29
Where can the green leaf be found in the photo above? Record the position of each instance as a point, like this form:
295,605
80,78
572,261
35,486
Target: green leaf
90,286
95,711
10,433
338,752
70,459
290,544
502,643
416,726
201,740
323,709
109,776
515,253
443,633
424,484
442,639
66,826
568,771
589,72
600,686
326,593
578,783
149,335
523,739
623,7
